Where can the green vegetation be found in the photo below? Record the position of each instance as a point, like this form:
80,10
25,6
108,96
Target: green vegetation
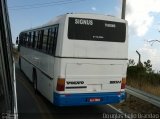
143,77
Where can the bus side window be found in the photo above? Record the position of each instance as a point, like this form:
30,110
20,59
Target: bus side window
47,45
40,39
33,39
29,39
25,39
51,40
45,38
22,39
55,40
36,39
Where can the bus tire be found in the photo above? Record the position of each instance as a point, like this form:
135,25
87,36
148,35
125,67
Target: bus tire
20,64
34,77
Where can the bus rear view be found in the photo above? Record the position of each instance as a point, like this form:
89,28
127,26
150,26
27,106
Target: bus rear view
92,60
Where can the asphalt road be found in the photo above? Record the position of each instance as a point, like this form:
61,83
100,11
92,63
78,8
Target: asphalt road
35,106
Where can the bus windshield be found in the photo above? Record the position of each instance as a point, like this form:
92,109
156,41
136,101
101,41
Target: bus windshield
96,30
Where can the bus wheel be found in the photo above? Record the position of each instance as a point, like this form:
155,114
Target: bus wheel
34,77
20,64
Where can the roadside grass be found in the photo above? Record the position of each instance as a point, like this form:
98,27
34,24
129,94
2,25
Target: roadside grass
135,105
144,86
144,78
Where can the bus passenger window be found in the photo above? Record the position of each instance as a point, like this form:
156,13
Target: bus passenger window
21,39
55,40
25,39
51,41
36,39
47,45
29,39
40,39
33,37
45,38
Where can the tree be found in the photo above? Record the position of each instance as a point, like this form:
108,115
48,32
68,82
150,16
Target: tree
148,66
131,62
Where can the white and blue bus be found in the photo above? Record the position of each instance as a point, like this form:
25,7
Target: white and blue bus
77,59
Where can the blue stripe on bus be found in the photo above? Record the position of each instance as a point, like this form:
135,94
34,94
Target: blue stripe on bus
82,98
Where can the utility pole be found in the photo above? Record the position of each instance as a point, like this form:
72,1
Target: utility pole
123,9
139,59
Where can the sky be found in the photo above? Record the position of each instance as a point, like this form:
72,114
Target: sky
142,16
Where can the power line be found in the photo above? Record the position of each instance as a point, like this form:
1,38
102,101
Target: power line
40,5
32,5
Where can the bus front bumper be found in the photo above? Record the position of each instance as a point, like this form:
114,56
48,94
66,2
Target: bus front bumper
88,98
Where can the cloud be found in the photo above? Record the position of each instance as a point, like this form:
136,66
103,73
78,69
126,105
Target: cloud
140,15
148,52
94,8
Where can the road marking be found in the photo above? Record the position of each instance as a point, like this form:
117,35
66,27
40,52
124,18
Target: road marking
37,99
119,111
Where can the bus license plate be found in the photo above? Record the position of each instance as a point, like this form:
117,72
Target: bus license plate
94,99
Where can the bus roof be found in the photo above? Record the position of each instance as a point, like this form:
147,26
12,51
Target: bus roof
55,20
